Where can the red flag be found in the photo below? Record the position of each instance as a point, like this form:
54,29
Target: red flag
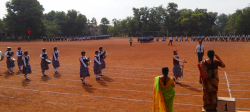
28,32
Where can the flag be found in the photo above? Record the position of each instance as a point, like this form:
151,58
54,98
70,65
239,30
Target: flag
28,31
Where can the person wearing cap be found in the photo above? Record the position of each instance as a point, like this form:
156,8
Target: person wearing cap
200,51
97,65
130,40
44,65
170,40
84,69
10,65
177,69
19,54
55,60
102,57
26,64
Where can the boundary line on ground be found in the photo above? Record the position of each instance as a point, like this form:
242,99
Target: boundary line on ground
228,85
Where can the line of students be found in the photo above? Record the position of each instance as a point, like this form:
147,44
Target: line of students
99,64
23,60
74,38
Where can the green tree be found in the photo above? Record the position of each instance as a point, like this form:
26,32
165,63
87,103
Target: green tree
23,15
93,20
221,23
105,23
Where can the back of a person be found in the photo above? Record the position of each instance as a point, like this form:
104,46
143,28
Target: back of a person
168,93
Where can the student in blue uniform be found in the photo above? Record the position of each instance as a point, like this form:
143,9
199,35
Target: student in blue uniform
55,60
102,57
26,65
44,65
19,54
97,65
84,69
10,65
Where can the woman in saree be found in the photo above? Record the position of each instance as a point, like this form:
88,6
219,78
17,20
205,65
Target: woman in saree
209,79
163,95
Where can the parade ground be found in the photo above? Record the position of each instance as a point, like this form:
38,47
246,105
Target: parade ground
127,85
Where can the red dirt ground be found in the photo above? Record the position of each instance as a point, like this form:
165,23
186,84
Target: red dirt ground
129,76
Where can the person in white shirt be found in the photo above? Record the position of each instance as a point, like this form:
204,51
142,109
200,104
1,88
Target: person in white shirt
55,60
10,65
200,51
19,54
130,41
170,40
26,65
44,65
97,65
84,69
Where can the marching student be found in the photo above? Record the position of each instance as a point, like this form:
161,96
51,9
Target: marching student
181,39
177,69
44,65
97,65
19,54
84,69
10,65
176,39
138,40
44,38
26,65
102,57
55,61
186,38
170,40
164,39
130,40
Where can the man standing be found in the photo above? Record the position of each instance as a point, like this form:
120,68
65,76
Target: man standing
200,51
130,41
170,40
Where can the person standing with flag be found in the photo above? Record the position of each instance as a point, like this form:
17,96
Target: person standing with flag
28,31
177,69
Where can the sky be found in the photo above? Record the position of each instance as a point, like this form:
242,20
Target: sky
120,9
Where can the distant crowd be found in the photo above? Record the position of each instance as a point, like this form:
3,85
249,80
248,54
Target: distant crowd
74,38
231,38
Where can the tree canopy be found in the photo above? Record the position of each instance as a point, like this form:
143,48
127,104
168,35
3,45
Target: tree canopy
23,15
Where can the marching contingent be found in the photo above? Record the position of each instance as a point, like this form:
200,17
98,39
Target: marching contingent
231,38
25,67
74,38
